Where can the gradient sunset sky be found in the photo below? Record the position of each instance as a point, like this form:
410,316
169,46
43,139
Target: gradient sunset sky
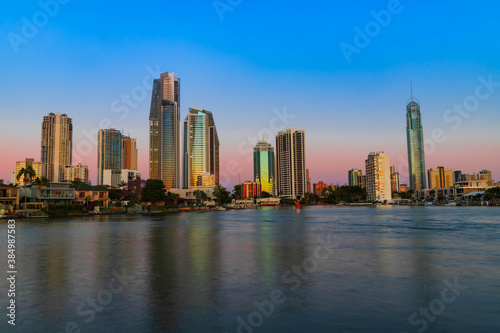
251,61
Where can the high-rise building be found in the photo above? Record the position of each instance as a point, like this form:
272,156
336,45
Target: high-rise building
415,140
395,180
57,145
319,187
201,147
129,153
205,179
378,177
263,166
164,118
109,152
440,177
76,171
291,179
362,181
250,190
308,181
37,166
353,177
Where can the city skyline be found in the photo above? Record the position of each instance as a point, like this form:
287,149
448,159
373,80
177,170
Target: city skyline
223,71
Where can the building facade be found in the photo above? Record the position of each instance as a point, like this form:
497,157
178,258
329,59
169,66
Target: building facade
164,119
76,171
115,177
319,187
250,190
395,180
129,153
353,177
378,177
109,152
205,179
308,177
291,180
263,166
415,141
201,147
57,145
440,177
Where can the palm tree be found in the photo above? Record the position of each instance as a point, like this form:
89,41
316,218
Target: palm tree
122,184
40,182
27,174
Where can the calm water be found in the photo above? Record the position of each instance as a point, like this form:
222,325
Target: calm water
325,270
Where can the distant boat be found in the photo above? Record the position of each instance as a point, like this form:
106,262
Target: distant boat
451,204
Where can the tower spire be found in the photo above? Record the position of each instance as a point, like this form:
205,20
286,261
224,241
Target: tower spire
411,89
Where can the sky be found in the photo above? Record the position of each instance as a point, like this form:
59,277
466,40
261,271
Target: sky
339,70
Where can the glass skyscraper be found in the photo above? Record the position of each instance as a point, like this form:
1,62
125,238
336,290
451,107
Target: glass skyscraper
201,147
415,139
263,166
164,118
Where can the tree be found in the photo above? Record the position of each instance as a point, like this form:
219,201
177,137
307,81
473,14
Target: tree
154,191
76,181
265,194
27,174
200,195
222,195
172,197
492,193
236,192
122,184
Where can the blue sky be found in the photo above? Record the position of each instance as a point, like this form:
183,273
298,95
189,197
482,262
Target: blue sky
263,56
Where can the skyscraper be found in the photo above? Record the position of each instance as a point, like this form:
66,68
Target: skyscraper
263,166
129,153
109,152
164,118
76,171
291,179
201,147
308,177
57,145
378,177
415,140
353,176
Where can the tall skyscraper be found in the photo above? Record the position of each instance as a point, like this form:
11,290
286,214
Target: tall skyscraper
164,118
457,176
378,177
129,153
353,176
291,179
201,147
415,140
109,152
57,145
440,177
263,166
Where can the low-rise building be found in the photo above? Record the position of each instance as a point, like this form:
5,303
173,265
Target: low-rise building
319,187
54,194
250,190
86,194
9,197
